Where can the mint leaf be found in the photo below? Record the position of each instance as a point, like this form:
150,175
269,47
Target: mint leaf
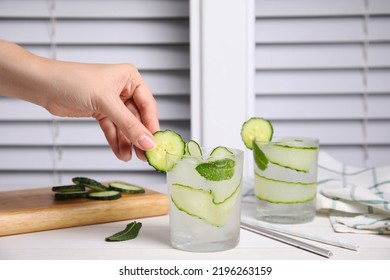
217,170
130,232
261,159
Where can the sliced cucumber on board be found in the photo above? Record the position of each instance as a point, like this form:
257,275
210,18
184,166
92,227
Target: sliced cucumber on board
104,195
276,191
68,188
68,194
125,187
90,183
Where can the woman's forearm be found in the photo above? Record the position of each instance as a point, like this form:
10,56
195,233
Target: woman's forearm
23,75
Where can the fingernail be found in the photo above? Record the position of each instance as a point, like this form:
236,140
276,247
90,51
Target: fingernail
145,143
126,156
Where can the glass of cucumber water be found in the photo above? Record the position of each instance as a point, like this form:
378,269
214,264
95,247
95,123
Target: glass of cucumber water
286,179
204,188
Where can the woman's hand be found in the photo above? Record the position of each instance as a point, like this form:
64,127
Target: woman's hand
114,94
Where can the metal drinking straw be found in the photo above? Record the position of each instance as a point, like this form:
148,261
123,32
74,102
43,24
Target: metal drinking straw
288,240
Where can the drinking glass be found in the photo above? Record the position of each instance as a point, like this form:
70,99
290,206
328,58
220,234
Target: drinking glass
205,200
286,179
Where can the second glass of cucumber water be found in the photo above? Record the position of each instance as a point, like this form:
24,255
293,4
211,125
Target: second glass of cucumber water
286,179
205,199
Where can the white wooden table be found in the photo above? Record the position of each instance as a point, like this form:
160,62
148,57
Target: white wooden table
87,243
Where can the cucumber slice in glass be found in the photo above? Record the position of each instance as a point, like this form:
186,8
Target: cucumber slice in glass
276,191
166,141
293,155
193,149
258,129
200,203
221,151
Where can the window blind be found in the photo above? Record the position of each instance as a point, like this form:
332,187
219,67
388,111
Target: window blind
37,149
323,70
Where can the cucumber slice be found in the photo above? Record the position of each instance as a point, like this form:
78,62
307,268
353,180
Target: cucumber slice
90,183
125,188
68,194
166,141
222,191
104,195
221,151
68,188
258,129
193,149
293,156
276,191
200,203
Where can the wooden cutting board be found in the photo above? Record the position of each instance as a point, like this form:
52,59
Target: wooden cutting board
34,210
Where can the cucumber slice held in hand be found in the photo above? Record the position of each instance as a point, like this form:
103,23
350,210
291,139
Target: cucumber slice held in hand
258,129
166,141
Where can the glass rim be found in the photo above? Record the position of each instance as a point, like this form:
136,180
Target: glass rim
236,152
287,139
